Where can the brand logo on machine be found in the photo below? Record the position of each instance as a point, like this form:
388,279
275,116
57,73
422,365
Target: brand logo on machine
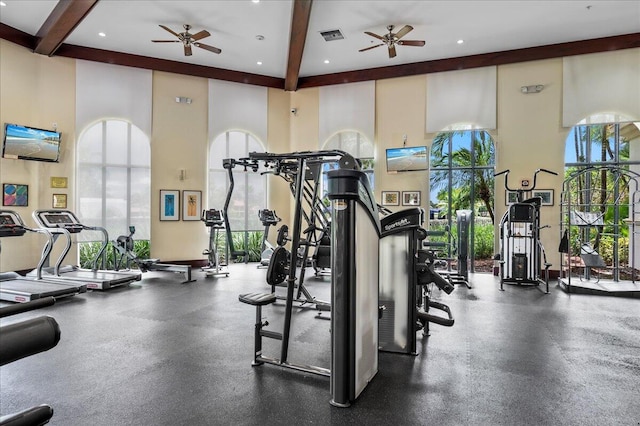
394,225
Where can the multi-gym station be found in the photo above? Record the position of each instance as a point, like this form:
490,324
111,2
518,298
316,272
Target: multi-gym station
319,212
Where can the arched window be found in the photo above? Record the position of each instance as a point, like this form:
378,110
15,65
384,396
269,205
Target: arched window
603,139
461,178
356,144
250,190
602,169
114,179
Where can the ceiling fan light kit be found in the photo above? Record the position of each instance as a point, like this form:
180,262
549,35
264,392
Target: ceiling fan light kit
187,39
392,39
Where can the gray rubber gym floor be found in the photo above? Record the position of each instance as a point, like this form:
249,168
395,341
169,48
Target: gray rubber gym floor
164,353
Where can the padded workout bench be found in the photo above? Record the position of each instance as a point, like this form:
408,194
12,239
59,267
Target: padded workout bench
259,300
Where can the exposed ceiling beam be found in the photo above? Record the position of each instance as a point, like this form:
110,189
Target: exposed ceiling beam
145,62
627,41
16,36
60,23
605,44
299,27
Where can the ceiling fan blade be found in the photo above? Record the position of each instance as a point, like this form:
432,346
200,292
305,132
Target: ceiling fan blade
170,30
207,47
374,35
392,51
166,41
187,50
369,48
411,42
404,31
200,35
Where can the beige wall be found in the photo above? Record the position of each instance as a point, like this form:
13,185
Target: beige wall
39,91
278,140
178,141
400,111
530,136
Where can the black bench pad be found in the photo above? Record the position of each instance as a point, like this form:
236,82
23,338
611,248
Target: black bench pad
257,299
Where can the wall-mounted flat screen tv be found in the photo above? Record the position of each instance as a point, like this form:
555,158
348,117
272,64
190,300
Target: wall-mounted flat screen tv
407,159
29,143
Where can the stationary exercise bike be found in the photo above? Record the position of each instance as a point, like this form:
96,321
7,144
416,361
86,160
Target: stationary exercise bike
213,220
268,219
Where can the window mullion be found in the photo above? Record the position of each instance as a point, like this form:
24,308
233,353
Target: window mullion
104,175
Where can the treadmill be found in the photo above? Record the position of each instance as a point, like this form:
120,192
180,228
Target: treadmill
15,288
64,222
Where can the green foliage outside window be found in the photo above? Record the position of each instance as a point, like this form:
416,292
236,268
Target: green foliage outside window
89,251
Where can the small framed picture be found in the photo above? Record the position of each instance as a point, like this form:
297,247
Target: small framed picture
59,201
410,198
58,182
169,204
191,205
390,198
14,194
510,197
546,195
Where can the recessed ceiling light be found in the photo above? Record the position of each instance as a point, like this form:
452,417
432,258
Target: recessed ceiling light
255,1
326,61
2,3
460,41
101,34
259,62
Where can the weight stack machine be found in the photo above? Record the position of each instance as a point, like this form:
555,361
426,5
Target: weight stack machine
520,257
397,290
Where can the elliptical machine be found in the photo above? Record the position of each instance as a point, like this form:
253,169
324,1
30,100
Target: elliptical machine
521,251
213,220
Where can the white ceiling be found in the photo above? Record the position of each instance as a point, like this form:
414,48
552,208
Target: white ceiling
485,26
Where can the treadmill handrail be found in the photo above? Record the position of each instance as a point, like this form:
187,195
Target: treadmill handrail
63,254
48,246
74,221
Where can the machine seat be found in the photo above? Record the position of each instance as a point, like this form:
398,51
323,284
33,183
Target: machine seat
257,299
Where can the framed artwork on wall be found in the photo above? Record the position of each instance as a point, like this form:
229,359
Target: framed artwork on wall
191,205
59,201
510,197
410,198
169,204
58,182
390,198
545,194
14,194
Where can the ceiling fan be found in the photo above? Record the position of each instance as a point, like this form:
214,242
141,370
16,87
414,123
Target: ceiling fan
189,40
391,39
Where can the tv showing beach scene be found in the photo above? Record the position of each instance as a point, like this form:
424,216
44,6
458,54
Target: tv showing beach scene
407,159
29,143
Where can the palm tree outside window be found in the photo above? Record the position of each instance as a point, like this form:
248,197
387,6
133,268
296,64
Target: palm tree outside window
461,178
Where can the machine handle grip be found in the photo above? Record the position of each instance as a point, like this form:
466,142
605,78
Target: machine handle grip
442,283
27,338
39,415
6,311
446,322
548,171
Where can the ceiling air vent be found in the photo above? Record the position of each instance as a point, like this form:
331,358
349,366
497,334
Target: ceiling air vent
331,35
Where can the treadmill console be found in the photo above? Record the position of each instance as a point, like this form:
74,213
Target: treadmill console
59,219
212,217
10,225
268,217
